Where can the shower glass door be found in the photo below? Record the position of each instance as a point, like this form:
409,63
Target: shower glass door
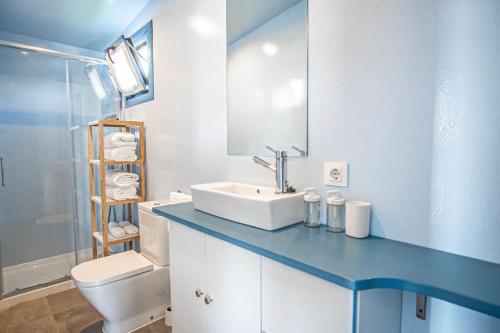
41,99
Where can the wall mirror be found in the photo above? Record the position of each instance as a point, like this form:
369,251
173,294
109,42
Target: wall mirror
266,76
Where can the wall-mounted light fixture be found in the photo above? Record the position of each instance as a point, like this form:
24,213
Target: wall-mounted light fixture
102,83
131,64
123,60
96,82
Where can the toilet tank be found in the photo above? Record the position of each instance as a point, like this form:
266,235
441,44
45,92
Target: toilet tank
154,234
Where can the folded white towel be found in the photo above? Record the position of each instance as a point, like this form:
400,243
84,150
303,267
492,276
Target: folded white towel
116,230
117,138
108,145
119,178
120,154
129,228
121,192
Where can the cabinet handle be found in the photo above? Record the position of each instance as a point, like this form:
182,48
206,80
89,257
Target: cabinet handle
198,292
208,299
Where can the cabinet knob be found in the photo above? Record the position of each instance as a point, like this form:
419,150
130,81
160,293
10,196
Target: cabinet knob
208,299
198,292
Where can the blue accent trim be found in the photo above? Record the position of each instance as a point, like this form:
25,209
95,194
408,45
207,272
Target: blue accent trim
144,33
359,264
354,311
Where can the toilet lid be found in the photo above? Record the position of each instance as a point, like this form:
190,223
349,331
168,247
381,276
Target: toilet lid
108,269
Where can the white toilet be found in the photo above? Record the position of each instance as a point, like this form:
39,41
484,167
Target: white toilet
131,289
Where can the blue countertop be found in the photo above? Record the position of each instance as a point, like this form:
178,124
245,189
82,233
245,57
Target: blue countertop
359,264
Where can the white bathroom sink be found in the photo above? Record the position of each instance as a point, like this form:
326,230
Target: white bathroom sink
253,205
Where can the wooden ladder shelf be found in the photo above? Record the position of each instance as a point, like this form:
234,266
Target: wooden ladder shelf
102,236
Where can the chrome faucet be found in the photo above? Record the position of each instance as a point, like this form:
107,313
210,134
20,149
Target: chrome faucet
279,169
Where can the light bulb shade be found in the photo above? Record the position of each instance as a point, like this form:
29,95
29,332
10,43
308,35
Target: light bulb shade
96,83
102,83
123,62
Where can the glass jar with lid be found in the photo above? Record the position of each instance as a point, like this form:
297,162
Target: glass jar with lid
335,211
312,201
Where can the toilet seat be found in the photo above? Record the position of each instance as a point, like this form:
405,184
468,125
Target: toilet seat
109,269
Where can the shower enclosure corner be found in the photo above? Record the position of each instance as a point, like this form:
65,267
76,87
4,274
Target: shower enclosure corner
46,101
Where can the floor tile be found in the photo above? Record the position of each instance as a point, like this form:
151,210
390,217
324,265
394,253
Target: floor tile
27,311
64,312
8,318
61,327
42,325
66,300
78,317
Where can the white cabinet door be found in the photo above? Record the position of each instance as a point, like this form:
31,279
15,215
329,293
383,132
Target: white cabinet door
187,273
233,282
296,302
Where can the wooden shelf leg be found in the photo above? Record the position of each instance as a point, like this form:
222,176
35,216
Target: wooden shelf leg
92,191
94,229
104,207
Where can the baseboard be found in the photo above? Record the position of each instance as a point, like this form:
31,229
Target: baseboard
41,271
34,294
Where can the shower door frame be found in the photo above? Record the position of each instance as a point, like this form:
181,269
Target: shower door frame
67,56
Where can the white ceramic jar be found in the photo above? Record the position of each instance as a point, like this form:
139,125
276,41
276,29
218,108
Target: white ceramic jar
357,217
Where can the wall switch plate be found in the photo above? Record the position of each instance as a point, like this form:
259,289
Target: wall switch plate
336,173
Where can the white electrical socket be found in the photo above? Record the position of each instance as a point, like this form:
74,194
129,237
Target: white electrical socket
336,173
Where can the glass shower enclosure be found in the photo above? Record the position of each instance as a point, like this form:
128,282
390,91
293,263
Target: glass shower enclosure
46,102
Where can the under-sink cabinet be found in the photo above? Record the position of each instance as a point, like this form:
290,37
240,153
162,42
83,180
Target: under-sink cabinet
215,285
297,302
220,287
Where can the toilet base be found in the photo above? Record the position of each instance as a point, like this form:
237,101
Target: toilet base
135,322
132,302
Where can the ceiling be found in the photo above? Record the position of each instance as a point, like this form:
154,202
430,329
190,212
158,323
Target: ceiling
90,24
244,16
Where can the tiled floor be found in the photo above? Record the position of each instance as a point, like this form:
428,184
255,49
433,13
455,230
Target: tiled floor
65,312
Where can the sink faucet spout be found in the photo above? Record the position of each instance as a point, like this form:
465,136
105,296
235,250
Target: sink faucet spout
279,169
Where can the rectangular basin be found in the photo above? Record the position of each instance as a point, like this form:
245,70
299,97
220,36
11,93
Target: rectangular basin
257,206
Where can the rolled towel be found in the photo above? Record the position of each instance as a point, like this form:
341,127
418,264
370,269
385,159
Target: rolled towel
129,228
118,178
121,192
117,138
121,154
116,230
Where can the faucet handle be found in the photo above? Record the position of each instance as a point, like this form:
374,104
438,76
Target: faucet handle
301,152
278,153
271,149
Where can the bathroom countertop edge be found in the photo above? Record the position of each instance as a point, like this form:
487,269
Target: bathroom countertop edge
282,246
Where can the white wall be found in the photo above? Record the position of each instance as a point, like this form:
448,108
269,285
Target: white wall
406,91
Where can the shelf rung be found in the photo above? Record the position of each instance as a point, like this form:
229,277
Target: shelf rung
97,200
111,240
116,123
107,162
